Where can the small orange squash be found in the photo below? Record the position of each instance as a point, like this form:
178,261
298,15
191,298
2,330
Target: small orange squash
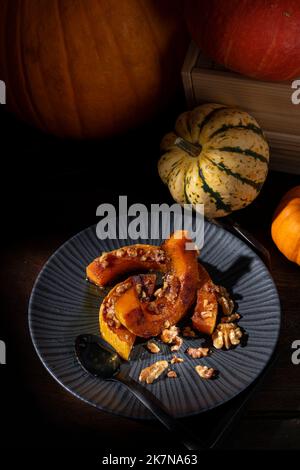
285,228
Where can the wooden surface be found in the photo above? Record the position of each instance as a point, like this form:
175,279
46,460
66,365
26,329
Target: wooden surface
52,191
269,102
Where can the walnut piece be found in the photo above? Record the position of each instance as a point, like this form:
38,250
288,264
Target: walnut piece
188,332
176,360
153,347
197,352
231,318
151,373
123,288
205,372
224,300
177,344
226,335
172,374
168,335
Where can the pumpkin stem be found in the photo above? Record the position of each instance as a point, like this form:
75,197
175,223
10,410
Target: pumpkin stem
192,149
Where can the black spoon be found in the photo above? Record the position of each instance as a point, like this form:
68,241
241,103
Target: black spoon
98,359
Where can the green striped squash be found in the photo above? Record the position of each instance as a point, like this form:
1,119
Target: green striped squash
217,156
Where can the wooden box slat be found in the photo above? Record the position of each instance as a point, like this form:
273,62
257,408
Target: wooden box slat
269,102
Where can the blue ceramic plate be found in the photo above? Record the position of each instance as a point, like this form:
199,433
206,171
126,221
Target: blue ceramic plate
63,305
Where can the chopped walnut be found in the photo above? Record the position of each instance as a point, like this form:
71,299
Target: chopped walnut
177,344
176,360
197,352
158,292
152,307
188,332
120,253
139,289
132,252
206,314
109,310
171,287
151,373
168,335
205,372
153,347
172,374
104,263
226,334
122,288
224,300
231,318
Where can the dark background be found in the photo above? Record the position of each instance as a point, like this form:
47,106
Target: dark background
50,190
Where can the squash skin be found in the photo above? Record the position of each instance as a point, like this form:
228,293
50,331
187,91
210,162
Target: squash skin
285,229
231,165
147,320
267,35
117,266
206,295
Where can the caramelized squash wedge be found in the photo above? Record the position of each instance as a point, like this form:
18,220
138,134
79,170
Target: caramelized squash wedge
117,335
206,310
109,266
145,317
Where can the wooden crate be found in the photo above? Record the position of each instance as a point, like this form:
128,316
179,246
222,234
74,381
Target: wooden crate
269,102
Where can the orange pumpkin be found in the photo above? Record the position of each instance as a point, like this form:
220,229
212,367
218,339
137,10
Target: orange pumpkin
286,225
90,68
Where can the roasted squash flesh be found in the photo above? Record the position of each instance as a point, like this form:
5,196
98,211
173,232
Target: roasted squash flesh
112,331
206,309
109,266
147,317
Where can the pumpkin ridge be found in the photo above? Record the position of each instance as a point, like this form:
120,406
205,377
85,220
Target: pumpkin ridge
209,116
226,127
59,16
187,199
220,204
247,152
173,167
37,117
243,179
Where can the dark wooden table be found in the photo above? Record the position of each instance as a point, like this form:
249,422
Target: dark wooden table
52,190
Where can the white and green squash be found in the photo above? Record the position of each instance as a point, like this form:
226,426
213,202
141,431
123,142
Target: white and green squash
218,156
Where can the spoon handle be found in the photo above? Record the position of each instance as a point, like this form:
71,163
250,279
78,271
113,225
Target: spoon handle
180,432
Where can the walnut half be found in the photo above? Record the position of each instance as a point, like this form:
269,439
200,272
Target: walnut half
226,334
151,373
153,347
205,372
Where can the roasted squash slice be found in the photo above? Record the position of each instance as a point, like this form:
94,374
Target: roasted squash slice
117,335
109,266
145,317
206,310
